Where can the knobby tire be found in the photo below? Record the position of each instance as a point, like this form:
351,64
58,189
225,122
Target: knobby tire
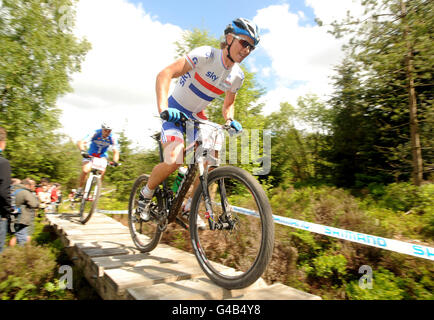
258,264
85,216
147,240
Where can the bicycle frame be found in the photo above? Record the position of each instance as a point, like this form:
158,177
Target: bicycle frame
209,202
173,202
93,173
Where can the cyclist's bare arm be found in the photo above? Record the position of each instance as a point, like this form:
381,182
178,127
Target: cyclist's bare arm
82,145
175,70
229,105
115,155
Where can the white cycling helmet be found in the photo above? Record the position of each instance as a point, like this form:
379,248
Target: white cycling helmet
106,125
246,27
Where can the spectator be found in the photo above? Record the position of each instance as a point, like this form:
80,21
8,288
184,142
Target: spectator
27,202
43,194
5,185
59,194
15,181
44,182
56,197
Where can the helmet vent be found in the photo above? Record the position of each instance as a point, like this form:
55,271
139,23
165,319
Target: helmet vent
239,25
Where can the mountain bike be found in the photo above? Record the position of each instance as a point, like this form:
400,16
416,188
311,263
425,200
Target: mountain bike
92,190
235,249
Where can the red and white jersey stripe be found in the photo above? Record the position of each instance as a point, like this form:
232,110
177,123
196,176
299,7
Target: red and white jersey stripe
208,79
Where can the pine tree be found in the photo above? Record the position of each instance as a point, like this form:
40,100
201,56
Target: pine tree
392,48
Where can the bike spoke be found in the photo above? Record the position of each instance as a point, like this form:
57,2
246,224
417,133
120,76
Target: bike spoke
90,199
145,234
236,246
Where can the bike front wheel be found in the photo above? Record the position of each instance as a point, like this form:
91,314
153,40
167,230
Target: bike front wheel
90,200
236,247
145,234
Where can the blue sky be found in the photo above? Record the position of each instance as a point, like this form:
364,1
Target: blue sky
133,40
214,15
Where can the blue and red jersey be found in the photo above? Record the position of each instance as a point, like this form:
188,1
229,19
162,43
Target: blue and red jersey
99,145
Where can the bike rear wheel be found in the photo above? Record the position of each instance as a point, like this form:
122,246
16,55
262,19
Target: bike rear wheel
90,200
235,256
145,234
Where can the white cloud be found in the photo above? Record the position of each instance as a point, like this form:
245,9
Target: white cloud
301,15
331,10
117,80
302,57
274,97
265,72
130,47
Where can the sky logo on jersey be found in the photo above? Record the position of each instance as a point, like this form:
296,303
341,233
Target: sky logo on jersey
184,78
211,75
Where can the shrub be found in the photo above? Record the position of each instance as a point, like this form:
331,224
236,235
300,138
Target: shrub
326,266
29,273
385,286
405,196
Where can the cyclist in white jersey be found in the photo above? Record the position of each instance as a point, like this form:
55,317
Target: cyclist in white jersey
204,74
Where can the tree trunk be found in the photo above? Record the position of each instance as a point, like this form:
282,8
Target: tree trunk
417,173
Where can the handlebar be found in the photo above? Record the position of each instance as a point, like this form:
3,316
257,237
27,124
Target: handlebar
165,116
109,163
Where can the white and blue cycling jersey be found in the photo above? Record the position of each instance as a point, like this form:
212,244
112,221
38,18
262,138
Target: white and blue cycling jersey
194,91
98,145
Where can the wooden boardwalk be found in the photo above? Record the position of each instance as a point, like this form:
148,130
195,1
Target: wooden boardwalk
103,249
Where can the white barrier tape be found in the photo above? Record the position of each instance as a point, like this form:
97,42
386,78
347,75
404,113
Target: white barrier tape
112,211
366,239
412,249
103,193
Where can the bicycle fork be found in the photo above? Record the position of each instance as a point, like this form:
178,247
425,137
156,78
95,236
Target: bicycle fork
88,185
223,219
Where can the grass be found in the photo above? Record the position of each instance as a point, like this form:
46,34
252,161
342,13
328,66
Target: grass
41,269
310,262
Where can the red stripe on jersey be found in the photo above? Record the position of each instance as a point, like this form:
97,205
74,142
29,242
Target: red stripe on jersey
192,63
202,115
207,85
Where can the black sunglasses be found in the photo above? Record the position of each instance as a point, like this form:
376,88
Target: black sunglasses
244,43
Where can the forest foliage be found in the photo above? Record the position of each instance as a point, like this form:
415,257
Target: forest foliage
365,164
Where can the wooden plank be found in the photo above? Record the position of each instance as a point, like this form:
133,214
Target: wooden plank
103,248
124,278
109,231
276,291
75,216
123,238
100,264
200,288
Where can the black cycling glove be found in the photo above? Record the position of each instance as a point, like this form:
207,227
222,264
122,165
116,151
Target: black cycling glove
85,155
